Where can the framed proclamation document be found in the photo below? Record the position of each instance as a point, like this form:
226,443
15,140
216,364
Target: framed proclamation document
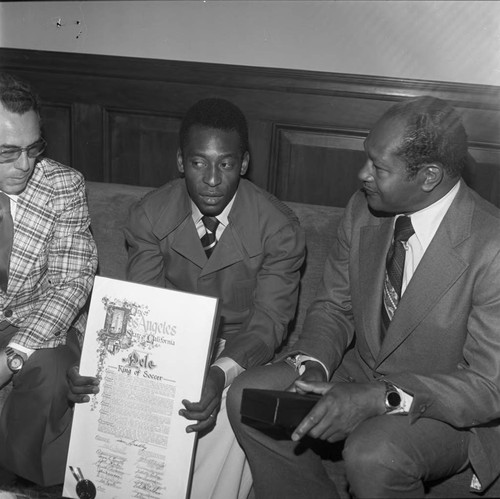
150,348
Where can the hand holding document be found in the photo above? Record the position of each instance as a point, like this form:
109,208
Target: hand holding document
150,348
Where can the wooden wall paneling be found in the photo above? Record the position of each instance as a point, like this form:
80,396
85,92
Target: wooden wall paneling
88,141
142,148
484,176
123,109
315,165
56,129
482,125
260,132
483,129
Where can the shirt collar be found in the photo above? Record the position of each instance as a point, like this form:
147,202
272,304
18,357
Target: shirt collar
12,197
426,221
221,217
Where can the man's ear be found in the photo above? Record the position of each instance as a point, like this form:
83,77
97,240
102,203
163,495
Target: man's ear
431,176
180,162
244,163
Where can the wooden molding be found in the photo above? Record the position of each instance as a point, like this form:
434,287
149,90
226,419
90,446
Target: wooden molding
270,79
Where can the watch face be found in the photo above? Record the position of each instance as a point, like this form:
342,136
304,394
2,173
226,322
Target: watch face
394,399
15,362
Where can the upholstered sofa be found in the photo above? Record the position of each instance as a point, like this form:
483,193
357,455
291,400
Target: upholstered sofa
109,204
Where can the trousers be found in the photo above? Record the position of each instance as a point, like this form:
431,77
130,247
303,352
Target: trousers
384,456
221,470
35,422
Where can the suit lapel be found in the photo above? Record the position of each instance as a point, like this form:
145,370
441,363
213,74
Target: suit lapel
187,243
241,239
438,270
371,276
227,252
180,226
34,213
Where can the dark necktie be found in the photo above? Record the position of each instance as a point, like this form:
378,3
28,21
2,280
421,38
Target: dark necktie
6,237
209,241
395,265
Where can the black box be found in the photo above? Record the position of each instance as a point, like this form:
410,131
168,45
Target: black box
276,409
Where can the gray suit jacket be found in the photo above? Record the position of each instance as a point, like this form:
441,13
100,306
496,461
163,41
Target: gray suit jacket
254,269
443,345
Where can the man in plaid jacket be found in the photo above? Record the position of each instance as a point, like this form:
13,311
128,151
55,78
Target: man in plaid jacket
45,280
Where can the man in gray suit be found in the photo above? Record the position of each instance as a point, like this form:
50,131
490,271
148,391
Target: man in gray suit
405,326
254,270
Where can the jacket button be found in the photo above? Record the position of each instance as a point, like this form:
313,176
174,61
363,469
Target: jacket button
8,313
423,408
57,333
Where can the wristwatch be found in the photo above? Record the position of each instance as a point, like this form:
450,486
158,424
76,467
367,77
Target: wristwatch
392,398
15,359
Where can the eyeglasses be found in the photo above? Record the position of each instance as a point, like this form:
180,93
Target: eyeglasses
11,154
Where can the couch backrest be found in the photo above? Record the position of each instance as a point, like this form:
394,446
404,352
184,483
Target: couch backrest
109,206
320,224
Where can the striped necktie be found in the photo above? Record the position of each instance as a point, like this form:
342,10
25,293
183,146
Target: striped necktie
6,237
395,264
208,241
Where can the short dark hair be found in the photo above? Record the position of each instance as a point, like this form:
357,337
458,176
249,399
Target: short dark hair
434,133
215,113
17,96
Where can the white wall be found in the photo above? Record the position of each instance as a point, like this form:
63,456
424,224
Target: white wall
457,41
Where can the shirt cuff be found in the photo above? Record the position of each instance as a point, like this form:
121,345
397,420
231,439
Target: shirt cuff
299,360
20,348
230,368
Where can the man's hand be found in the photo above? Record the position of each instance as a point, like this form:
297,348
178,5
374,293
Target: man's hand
314,372
5,372
205,411
80,387
342,407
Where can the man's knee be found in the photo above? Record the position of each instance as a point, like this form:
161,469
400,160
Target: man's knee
270,377
235,394
366,455
372,457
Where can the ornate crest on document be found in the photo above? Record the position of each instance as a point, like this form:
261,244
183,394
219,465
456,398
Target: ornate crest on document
121,321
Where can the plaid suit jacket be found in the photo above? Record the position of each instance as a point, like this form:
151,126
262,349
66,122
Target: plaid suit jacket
53,260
